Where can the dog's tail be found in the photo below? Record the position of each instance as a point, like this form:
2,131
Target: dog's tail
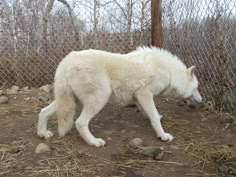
65,104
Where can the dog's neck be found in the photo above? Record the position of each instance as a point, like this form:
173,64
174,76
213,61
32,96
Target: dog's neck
172,89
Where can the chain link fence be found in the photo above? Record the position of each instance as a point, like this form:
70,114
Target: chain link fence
36,35
203,33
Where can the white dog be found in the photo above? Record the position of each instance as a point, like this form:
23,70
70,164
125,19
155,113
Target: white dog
95,77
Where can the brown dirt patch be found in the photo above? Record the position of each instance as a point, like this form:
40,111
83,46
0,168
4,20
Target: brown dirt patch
204,143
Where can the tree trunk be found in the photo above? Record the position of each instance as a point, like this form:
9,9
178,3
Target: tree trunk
71,14
45,27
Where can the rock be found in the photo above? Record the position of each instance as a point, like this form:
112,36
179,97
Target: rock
1,92
136,142
148,151
123,131
26,88
3,99
204,119
158,154
208,106
174,147
41,148
109,138
154,152
46,88
227,125
26,99
181,103
13,90
43,98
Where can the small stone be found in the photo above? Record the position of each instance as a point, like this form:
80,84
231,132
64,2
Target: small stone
109,138
181,103
1,92
158,154
46,88
26,99
41,148
132,132
148,151
26,88
154,152
14,97
43,98
3,99
123,131
136,142
227,125
204,119
174,147
208,106
13,90
165,100
29,168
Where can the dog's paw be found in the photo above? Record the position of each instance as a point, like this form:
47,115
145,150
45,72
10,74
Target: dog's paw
48,134
97,142
161,116
167,137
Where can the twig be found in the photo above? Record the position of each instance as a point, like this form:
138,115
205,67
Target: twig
3,155
5,172
154,161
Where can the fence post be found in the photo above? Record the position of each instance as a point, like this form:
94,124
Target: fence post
156,30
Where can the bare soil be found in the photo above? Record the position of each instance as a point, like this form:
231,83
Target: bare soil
204,143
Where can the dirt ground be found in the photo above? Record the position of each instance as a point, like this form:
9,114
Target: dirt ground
204,142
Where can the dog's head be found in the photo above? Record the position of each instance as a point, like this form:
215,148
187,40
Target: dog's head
191,91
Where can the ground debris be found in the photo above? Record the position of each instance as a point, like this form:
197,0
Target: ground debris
136,142
41,148
13,90
3,99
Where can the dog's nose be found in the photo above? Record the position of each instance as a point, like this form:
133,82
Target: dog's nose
199,99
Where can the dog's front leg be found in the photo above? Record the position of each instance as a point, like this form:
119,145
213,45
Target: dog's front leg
145,100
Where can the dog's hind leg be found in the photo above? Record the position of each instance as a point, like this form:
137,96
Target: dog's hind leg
91,106
145,100
44,114
93,90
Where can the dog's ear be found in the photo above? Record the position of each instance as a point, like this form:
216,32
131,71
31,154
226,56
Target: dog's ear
191,70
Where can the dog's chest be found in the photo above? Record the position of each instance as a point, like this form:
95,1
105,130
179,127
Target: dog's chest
123,90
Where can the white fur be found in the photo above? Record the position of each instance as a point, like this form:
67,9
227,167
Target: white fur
96,77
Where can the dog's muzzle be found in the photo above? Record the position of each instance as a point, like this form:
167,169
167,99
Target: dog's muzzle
197,98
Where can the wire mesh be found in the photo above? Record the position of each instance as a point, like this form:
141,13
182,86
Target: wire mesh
36,35
203,33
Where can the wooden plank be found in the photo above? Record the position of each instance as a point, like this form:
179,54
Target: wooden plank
156,30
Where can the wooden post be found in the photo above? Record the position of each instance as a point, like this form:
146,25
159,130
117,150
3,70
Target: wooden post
156,30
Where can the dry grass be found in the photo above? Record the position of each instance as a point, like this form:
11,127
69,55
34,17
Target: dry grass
208,152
